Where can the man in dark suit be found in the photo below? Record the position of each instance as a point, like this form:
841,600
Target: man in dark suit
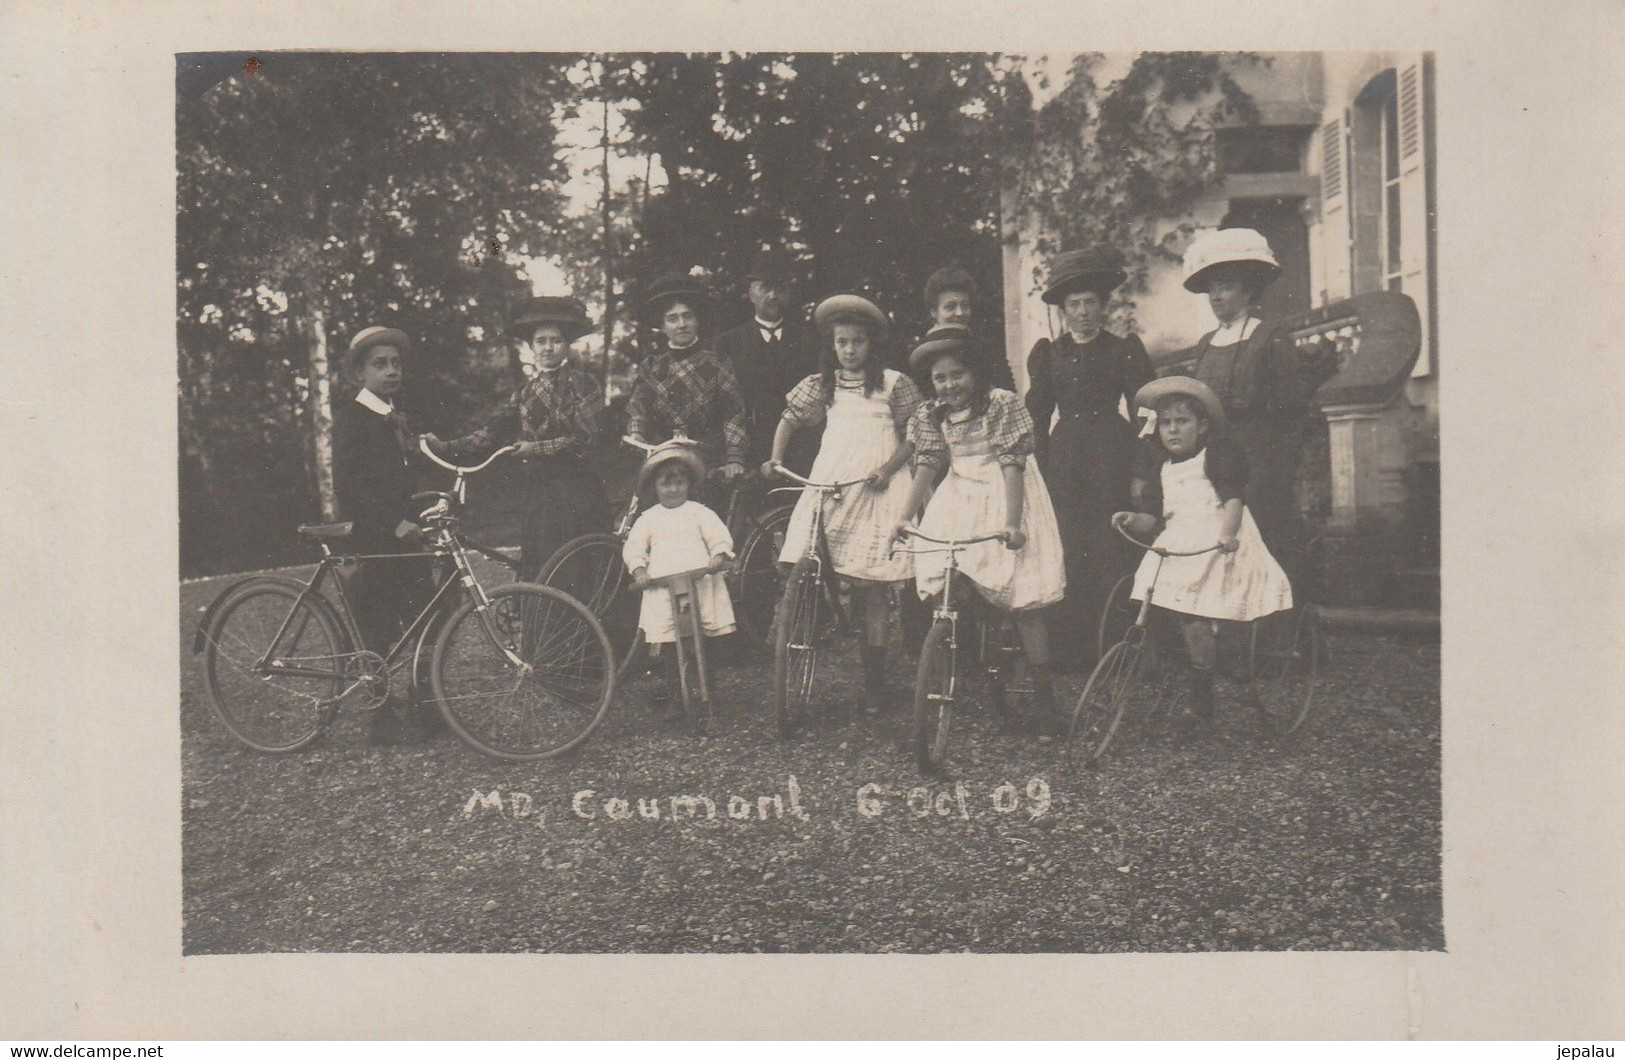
771,354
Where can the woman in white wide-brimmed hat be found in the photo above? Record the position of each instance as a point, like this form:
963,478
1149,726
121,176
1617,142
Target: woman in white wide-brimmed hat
1259,378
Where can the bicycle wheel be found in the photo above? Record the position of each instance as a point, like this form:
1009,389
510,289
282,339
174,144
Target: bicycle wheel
544,704
696,707
1104,702
1284,667
1118,614
590,568
796,643
759,584
265,708
934,698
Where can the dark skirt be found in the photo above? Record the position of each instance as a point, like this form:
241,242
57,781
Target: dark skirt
1273,446
1088,469
564,499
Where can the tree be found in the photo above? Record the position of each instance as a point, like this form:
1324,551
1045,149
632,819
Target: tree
872,169
1111,161
322,193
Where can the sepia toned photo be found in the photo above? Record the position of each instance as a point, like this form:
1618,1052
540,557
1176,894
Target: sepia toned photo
809,502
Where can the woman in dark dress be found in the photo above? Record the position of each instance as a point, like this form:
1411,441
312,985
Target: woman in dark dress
556,419
1264,385
1087,458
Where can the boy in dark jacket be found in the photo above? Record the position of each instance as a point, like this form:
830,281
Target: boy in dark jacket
373,480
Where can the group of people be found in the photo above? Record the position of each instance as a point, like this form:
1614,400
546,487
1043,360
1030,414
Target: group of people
933,429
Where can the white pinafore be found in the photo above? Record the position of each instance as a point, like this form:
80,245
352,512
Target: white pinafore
671,540
970,502
1239,587
859,436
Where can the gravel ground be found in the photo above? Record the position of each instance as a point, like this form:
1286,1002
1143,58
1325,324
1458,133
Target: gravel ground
1328,842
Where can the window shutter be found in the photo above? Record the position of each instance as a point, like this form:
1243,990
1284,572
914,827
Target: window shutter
1334,209
1413,195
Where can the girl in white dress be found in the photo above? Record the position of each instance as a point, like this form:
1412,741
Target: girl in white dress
677,535
1197,502
984,438
865,408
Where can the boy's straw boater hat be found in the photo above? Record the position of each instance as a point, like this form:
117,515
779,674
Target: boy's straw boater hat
839,308
1095,268
1148,397
566,314
667,453
1229,249
366,339
943,341
672,287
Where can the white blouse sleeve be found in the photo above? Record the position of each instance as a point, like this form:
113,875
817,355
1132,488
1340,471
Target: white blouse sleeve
635,553
714,532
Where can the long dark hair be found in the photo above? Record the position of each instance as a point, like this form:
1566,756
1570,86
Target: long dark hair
874,366
976,364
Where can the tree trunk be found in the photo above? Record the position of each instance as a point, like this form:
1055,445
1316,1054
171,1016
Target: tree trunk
609,256
321,415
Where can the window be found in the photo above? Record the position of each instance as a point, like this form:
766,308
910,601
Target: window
1393,266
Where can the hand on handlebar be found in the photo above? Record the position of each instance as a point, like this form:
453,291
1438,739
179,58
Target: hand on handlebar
1228,543
1014,539
770,468
732,470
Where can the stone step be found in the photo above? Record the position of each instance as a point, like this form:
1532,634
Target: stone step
1413,620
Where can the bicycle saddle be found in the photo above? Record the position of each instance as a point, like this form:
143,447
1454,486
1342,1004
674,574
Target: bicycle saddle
327,529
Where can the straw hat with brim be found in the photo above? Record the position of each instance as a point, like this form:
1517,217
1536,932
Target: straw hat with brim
838,309
1235,249
366,339
1159,390
665,290
671,451
566,314
1097,268
947,340
770,266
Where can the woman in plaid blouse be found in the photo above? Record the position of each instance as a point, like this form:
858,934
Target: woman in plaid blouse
687,388
556,418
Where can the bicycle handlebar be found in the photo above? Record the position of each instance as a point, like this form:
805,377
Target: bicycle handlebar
828,486
998,535
695,574
1163,551
649,447
423,445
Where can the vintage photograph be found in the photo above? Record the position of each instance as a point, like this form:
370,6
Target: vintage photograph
808,502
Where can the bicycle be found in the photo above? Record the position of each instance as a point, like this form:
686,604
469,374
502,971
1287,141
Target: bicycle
590,568
520,672
693,675
1281,668
810,614
936,677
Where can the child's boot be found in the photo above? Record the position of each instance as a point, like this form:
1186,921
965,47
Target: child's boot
874,679
1201,701
1050,723
387,728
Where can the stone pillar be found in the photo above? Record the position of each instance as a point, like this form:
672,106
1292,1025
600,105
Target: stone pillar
1363,550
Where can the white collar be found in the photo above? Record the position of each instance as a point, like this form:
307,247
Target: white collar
762,325
1237,330
368,400
679,349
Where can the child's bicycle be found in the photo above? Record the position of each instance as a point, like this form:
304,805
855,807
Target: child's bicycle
811,614
1278,656
520,672
693,675
591,569
937,676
